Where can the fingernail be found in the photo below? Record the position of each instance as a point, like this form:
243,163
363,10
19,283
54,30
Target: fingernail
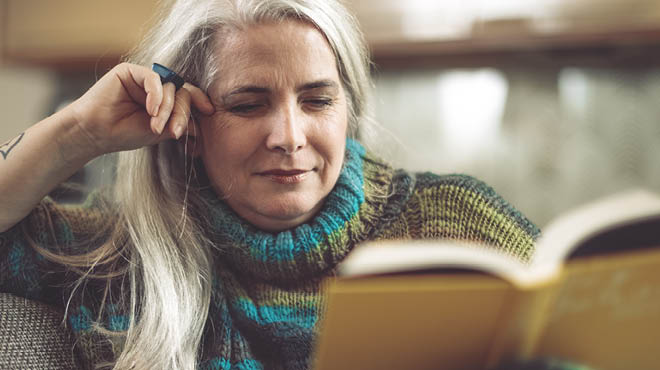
155,126
178,131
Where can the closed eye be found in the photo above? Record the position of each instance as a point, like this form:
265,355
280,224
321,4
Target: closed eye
245,108
319,103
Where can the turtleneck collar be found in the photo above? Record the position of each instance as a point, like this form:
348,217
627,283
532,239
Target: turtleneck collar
348,216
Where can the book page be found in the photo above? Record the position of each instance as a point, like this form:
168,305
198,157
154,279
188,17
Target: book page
390,257
568,231
607,312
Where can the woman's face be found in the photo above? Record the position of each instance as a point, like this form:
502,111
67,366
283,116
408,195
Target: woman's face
275,146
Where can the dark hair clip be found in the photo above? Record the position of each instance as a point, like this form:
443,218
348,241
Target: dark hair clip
168,75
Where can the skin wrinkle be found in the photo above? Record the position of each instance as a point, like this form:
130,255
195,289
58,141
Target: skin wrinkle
321,86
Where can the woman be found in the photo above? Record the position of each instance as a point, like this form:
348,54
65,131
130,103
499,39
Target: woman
236,195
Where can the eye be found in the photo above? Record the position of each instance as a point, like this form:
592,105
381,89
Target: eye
318,103
245,108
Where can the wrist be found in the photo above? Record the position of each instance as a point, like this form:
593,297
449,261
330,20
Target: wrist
74,144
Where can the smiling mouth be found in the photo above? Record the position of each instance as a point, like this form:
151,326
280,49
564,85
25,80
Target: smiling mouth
286,176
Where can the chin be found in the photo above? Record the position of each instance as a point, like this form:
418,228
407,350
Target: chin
288,211
290,208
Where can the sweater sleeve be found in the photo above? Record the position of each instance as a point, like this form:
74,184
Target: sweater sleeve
464,208
55,229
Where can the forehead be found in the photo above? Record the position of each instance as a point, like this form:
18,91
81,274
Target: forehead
283,50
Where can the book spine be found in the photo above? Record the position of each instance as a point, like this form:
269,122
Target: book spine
522,323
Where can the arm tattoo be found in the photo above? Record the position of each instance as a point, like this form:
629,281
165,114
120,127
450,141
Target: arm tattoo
11,144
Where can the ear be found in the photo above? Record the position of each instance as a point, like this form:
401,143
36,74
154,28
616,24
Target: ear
192,138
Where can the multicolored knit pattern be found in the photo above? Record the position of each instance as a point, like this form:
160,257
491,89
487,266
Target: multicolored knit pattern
267,291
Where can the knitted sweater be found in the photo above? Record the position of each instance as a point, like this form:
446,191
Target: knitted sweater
267,295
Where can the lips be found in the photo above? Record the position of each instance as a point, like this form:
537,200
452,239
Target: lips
283,172
283,176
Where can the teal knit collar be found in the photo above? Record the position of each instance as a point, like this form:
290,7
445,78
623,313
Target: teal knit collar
304,251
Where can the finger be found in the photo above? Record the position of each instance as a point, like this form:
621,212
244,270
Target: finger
200,100
142,85
165,109
154,90
178,122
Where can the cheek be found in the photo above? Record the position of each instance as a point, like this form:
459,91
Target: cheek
330,142
212,141
221,156
219,152
224,140
333,131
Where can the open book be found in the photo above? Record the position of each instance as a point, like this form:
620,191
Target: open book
591,295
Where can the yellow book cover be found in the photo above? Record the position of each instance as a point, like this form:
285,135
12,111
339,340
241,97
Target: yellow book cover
591,295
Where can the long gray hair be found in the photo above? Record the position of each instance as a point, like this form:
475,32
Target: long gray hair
170,267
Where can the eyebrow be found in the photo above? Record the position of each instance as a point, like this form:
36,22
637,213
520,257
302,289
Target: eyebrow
317,85
254,89
247,89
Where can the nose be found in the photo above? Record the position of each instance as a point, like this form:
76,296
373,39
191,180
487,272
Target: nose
286,133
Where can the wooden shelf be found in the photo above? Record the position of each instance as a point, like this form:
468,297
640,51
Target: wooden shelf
583,47
82,34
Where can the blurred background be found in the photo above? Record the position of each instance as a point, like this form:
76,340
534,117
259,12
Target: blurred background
552,102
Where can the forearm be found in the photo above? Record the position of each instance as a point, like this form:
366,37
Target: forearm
127,109
36,161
